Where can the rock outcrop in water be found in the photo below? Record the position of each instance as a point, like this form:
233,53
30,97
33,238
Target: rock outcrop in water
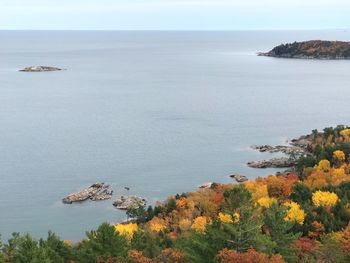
40,69
313,49
95,192
129,202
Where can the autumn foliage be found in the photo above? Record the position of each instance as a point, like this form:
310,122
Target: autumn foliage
232,256
303,216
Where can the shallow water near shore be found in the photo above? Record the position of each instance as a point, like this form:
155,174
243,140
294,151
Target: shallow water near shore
159,112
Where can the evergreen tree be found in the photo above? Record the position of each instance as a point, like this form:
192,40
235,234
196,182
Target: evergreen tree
2,260
102,243
301,194
56,249
247,233
203,247
24,249
237,198
280,232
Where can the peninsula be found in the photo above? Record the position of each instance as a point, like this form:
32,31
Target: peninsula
313,49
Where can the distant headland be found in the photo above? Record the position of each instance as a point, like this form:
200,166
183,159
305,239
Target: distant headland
313,49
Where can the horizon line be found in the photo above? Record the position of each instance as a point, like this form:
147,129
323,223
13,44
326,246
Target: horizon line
186,30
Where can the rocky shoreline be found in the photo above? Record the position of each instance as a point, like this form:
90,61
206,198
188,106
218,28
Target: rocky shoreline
297,147
279,148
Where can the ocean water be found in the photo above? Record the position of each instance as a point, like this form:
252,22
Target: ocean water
159,112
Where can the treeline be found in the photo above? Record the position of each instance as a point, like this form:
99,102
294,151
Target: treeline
300,217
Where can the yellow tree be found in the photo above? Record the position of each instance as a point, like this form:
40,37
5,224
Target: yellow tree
199,224
324,165
126,230
324,198
294,213
339,156
266,202
346,134
225,218
157,224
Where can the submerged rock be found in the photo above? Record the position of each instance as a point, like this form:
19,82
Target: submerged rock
97,191
282,162
40,69
129,202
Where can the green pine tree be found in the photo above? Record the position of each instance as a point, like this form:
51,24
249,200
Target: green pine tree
280,231
102,243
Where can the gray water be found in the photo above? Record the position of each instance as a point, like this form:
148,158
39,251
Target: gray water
160,112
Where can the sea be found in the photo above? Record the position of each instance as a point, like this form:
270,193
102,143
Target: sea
159,112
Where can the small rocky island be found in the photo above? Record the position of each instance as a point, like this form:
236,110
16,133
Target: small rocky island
40,69
313,49
95,192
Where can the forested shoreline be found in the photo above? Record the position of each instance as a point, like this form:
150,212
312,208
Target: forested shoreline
302,216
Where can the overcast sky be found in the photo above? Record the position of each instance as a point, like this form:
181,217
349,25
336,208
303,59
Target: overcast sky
174,14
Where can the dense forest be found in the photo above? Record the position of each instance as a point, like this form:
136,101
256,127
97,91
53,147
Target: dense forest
302,216
312,49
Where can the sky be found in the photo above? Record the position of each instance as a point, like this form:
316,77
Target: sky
173,14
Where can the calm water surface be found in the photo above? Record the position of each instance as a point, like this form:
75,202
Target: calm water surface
160,112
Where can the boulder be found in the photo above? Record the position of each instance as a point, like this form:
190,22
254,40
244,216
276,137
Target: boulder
206,185
239,178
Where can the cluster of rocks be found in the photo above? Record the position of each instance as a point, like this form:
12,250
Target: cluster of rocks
95,192
129,202
102,191
282,162
40,69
